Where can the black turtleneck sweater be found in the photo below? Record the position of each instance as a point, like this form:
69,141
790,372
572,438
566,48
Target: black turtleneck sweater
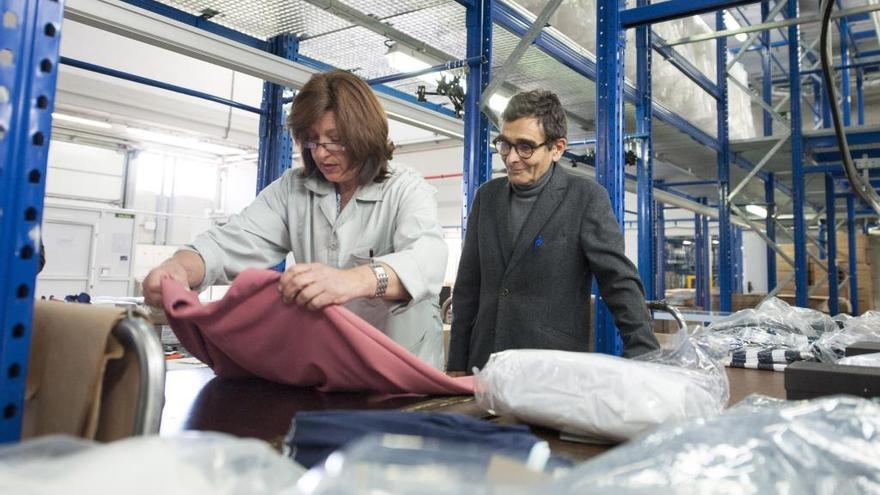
522,199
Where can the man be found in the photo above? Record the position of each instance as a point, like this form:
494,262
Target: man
534,241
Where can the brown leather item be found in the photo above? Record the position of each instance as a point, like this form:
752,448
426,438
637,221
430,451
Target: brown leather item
80,380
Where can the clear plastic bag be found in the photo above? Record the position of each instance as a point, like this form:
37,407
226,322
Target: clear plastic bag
195,463
604,397
823,446
832,346
872,359
404,465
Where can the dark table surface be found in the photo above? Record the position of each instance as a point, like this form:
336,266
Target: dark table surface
197,400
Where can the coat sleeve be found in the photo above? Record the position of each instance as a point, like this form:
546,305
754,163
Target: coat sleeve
257,237
466,294
420,252
619,282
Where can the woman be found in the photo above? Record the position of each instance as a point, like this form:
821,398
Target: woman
364,234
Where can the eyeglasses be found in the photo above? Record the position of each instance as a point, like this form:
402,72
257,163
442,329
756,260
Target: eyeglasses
524,150
330,147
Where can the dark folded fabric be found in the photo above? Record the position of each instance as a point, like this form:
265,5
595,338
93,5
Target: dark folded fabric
314,435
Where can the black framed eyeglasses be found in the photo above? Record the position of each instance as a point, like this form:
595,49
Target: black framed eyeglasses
524,150
330,147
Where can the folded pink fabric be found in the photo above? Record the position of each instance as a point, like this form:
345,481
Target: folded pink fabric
250,332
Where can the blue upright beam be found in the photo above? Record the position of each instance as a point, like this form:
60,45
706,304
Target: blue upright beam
846,103
704,248
725,234
276,144
767,80
477,160
737,260
860,98
851,237
31,33
800,231
645,163
701,277
660,261
770,226
610,43
673,9
831,244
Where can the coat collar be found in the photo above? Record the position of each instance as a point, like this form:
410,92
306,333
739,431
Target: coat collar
369,192
547,203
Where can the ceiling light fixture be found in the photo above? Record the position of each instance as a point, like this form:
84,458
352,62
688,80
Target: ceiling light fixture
81,121
405,59
498,103
190,143
756,210
731,23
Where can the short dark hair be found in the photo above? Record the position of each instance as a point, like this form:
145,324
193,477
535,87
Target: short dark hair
360,120
542,105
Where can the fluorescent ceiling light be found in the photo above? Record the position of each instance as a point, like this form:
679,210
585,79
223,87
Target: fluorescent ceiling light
498,103
687,242
404,59
756,210
183,142
715,241
730,23
81,121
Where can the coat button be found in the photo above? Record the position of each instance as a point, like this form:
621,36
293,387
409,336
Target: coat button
505,292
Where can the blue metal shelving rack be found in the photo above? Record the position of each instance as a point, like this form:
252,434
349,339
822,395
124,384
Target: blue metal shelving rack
29,43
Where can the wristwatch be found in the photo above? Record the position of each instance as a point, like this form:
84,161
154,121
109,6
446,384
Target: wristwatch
381,278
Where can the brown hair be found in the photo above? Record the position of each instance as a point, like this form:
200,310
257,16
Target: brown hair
360,121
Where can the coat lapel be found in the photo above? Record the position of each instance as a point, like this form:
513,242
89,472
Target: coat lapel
547,203
502,223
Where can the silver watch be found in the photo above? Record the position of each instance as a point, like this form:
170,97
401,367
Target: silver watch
381,278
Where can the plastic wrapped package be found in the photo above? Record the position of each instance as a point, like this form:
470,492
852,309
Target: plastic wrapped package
872,359
774,333
601,396
192,464
412,465
832,346
823,446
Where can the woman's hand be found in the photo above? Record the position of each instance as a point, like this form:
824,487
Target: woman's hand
315,285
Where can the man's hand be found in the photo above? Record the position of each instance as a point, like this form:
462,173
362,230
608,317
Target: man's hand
314,285
456,374
152,286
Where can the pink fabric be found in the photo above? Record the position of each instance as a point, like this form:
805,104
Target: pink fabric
250,332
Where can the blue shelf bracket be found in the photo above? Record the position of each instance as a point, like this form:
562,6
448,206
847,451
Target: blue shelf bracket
767,82
770,225
853,270
30,33
645,173
725,232
704,248
660,242
797,169
831,244
610,43
477,159
276,144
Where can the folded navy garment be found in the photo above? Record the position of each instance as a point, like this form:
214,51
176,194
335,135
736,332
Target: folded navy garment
314,435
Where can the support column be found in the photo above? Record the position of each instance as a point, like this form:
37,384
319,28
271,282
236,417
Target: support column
845,103
797,172
831,245
660,263
477,160
645,171
725,234
767,82
860,97
853,270
276,144
770,226
610,43
706,301
30,34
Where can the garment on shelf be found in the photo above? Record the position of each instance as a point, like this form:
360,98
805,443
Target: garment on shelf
252,333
